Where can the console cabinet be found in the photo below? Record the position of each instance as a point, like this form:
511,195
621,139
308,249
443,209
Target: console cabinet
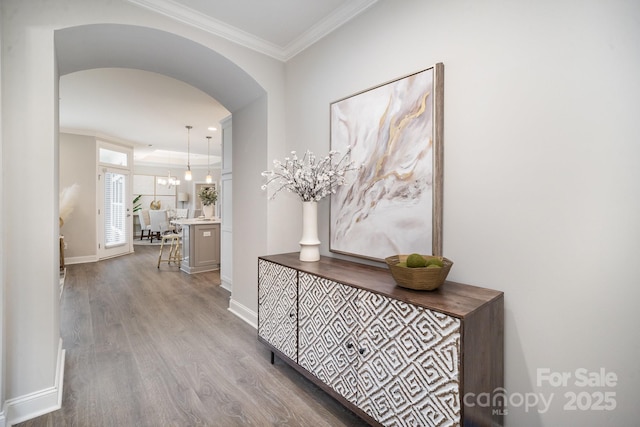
392,355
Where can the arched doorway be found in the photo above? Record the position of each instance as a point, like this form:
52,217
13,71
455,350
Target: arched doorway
125,46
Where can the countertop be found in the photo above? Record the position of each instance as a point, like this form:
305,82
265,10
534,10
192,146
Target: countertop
196,221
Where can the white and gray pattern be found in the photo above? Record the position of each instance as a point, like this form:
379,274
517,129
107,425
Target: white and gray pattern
326,334
277,307
397,362
409,370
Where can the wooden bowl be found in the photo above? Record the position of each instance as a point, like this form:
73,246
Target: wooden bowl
419,278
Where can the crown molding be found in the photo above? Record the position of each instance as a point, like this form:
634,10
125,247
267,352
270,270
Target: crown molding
332,22
201,21
178,12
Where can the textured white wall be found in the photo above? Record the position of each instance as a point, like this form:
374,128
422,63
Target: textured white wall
541,188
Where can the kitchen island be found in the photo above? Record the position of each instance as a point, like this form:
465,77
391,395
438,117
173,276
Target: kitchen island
200,244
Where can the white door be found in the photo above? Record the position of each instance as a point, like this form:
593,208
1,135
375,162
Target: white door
114,213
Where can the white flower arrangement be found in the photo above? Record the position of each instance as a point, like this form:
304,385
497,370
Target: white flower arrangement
311,179
208,195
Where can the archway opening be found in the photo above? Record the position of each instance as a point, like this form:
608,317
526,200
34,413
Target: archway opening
96,46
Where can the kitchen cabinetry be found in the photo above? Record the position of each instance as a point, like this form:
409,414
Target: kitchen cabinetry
392,355
200,245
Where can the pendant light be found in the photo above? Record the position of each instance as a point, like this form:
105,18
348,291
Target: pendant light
209,178
187,174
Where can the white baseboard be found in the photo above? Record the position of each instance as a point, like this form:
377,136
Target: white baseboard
38,403
224,284
249,316
81,259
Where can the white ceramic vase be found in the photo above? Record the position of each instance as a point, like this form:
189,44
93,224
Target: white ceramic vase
208,210
309,243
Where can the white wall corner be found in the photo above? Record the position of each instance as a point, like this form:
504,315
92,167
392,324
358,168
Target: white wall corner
225,283
38,403
249,316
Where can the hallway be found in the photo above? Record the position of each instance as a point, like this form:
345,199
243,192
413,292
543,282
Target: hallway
158,347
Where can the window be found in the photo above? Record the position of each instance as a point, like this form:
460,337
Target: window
111,157
115,209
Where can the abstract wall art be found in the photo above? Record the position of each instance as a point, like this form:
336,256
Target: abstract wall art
393,203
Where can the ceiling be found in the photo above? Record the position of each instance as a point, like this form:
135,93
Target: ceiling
151,110
145,109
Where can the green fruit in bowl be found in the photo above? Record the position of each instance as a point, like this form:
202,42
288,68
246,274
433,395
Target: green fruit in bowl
416,261
401,264
435,261
433,266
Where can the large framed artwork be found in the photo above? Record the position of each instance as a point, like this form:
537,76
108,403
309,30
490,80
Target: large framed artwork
393,203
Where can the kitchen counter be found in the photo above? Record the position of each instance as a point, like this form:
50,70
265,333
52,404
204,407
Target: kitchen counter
200,244
191,221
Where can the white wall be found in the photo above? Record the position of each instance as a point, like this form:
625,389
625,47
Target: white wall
2,255
249,208
30,147
78,167
542,184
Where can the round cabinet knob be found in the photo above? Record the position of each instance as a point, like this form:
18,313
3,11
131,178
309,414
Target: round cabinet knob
361,351
349,345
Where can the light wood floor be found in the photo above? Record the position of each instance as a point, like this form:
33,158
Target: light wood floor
158,347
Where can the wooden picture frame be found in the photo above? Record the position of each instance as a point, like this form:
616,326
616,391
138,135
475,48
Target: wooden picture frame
393,204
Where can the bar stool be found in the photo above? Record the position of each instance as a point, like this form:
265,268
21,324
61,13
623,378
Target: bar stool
174,242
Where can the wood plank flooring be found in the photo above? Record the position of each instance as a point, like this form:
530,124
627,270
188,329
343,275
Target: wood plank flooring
158,347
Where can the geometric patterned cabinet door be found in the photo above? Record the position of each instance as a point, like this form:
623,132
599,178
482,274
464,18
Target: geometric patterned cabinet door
409,369
397,362
277,307
394,356
326,337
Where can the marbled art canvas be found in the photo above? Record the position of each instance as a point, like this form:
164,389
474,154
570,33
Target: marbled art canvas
393,203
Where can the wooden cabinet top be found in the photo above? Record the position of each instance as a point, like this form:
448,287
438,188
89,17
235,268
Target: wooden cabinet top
454,299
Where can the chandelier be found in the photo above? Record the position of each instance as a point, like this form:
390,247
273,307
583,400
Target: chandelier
168,181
